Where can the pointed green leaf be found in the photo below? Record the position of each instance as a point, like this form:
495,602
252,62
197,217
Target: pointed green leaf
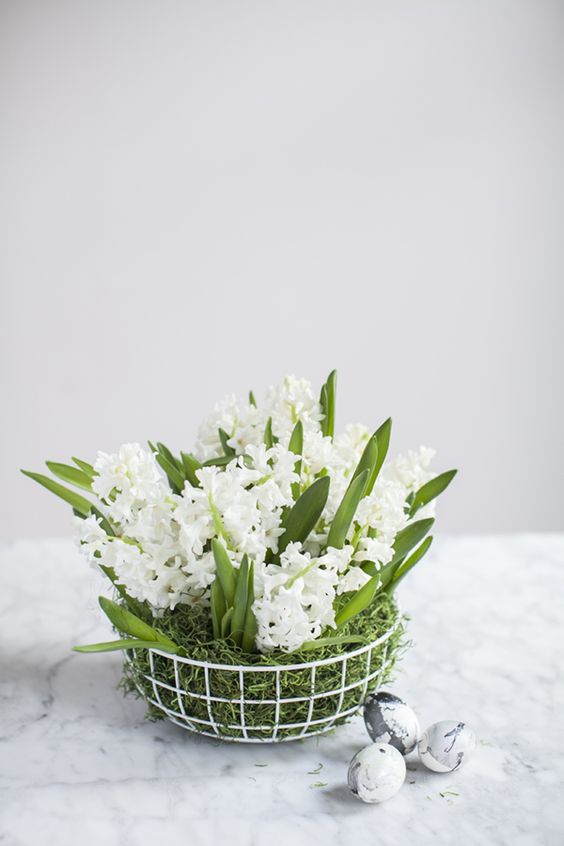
128,623
368,461
347,509
226,623
252,400
323,405
382,436
78,502
432,489
331,388
409,537
224,438
220,461
133,643
191,465
357,603
268,436
250,631
225,571
173,474
85,467
296,446
217,601
304,515
71,475
410,562
310,645
240,602
164,450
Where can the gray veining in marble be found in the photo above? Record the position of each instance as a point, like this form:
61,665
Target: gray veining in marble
78,763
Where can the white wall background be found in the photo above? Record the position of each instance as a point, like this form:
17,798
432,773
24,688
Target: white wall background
197,197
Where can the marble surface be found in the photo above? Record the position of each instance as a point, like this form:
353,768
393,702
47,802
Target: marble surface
78,763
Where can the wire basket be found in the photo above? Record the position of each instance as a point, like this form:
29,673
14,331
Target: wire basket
231,703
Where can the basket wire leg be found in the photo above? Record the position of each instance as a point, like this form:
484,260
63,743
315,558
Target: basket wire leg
242,703
154,683
277,707
208,701
311,701
179,693
341,694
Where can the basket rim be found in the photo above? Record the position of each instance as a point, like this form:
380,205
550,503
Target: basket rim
267,668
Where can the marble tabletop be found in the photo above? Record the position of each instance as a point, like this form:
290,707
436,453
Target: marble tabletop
79,764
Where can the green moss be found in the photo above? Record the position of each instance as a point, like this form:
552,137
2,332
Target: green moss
191,628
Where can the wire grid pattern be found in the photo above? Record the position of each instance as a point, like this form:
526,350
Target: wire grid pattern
277,731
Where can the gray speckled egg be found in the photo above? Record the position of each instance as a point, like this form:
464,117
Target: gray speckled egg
445,746
376,773
390,720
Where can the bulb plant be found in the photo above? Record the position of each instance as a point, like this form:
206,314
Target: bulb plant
275,529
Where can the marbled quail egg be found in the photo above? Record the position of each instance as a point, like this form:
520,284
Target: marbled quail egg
445,746
376,773
390,720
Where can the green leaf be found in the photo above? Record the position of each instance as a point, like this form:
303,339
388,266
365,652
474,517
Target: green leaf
296,446
217,601
250,631
128,623
347,509
323,405
240,602
134,605
164,450
268,436
431,490
220,461
70,474
133,643
226,623
382,436
173,474
224,571
78,502
191,465
310,645
252,400
85,467
409,537
357,603
410,562
304,515
368,461
224,437
331,388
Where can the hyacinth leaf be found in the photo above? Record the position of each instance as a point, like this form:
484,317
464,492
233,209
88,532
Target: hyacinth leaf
133,643
218,609
240,602
85,467
304,515
190,466
431,490
252,400
331,390
70,474
225,571
323,405
268,436
78,502
410,562
382,435
310,645
164,450
409,537
173,474
134,605
128,623
296,445
357,603
220,461
347,509
224,438
250,630
226,623
368,461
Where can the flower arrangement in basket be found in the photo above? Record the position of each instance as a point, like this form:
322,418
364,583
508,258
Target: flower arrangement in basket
254,577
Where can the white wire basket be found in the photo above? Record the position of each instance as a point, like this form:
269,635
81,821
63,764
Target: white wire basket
191,693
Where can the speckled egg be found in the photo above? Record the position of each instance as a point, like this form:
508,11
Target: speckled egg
445,746
376,773
390,720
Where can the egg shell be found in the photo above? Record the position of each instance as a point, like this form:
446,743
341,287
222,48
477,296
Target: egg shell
376,773
389,719
445,746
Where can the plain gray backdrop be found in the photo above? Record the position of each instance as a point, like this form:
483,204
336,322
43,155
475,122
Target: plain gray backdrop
198,197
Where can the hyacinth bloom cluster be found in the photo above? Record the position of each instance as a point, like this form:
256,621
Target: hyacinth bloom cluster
284,529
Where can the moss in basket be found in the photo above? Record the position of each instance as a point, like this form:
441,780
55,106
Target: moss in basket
191,628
